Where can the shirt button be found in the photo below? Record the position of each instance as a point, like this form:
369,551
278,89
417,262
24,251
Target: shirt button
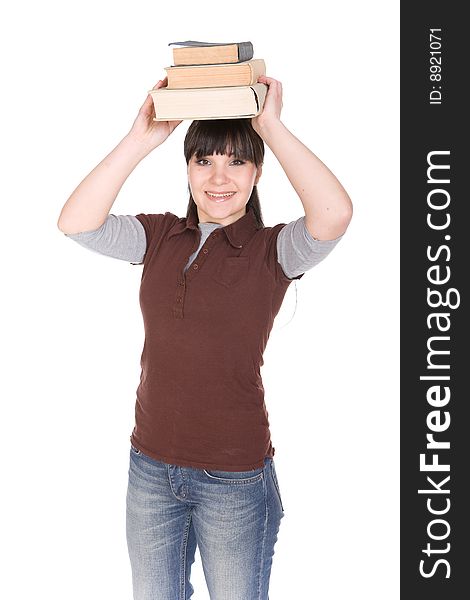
178,299
195,267
205,250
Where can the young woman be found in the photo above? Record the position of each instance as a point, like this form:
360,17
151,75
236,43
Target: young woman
201,468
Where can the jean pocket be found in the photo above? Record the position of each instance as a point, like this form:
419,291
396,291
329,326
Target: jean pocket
235,476
276,483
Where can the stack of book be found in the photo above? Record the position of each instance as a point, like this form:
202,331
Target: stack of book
211,81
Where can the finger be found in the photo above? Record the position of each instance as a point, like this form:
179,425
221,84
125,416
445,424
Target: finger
160,83
268,80
147,105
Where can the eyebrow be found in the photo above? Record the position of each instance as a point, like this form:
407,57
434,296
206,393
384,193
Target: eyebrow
209,155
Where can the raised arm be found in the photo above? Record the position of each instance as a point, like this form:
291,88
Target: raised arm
90,203
327,206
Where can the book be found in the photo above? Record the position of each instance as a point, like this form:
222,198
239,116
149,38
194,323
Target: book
208,53
236,102
221,75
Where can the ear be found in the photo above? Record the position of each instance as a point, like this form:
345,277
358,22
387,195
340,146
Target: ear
258,174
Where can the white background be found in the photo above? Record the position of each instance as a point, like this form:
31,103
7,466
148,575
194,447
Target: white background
74,76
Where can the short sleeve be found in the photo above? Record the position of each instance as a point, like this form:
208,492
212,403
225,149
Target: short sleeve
298,251
156,226
271,236
120,236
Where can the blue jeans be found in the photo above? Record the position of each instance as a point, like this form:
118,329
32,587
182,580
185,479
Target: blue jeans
232,517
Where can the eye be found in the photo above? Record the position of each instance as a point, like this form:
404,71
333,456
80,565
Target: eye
235,160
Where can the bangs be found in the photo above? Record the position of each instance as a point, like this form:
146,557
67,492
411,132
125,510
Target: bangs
234,137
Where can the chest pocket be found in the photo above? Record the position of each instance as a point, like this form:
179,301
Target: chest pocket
232,270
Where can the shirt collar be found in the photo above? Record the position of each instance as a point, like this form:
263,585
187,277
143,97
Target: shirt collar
238,233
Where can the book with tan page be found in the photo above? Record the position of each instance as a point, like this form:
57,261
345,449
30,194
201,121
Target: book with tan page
208,53
202,76
239,102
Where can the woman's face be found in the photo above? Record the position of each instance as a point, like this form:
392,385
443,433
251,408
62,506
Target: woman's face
221,174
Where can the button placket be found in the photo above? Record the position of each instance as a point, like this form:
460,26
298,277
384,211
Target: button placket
202,254
194,267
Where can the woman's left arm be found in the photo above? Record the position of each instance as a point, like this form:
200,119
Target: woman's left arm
328,208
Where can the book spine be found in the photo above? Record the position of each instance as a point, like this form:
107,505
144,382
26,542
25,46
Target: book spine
245,51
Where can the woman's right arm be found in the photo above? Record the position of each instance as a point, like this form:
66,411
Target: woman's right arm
90,203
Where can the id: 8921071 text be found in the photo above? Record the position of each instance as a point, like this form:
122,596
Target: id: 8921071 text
435,66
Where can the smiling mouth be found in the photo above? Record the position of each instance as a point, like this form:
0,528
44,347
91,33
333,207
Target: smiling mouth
220,197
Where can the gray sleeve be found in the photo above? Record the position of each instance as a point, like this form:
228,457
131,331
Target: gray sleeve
120,236
298,251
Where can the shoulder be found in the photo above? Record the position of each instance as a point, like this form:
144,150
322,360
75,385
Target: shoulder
269,235
160,218
157,224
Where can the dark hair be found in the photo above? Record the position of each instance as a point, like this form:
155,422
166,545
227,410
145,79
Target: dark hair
225,136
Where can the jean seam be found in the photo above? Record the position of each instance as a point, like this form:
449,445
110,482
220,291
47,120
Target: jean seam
183,557
265,534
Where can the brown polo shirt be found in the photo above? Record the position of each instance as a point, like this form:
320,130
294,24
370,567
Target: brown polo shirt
200,401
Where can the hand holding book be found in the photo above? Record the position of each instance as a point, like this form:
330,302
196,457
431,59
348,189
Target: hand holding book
272,104
145,129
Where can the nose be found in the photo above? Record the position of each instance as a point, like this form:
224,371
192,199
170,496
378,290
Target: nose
219,175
